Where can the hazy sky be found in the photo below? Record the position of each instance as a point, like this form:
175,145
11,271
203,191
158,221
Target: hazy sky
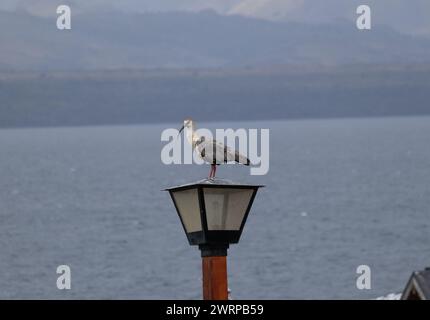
408,16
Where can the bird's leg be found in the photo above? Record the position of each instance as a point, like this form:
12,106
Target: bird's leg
210,172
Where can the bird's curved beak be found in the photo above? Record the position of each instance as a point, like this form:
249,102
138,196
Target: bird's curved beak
180,130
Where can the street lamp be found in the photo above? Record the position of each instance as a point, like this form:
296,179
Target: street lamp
213,213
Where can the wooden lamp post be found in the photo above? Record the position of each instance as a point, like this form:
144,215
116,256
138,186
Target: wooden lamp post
213,213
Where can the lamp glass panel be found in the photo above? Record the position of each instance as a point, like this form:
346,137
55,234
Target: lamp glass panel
226,207
187,202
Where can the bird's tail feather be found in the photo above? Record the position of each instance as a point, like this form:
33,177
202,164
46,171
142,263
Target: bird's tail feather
242,159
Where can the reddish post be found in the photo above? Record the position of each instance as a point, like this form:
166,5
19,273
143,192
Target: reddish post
215,278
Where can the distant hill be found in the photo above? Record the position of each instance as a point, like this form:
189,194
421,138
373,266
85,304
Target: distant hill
198,40
140,96
121,68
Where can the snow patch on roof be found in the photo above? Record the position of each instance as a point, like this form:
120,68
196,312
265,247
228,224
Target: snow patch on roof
390,296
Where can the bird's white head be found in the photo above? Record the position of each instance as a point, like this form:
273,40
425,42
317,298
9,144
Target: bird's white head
189,125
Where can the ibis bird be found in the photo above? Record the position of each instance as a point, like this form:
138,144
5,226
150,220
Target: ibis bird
211,151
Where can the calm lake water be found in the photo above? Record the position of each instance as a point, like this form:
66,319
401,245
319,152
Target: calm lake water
340,193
